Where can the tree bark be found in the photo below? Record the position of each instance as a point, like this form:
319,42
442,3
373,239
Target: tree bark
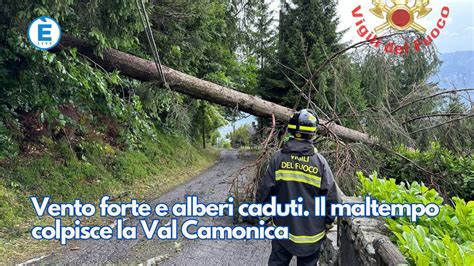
145,70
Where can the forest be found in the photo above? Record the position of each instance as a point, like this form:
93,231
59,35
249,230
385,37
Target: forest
71,128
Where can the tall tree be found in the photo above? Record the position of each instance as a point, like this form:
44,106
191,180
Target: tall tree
307,35
263,34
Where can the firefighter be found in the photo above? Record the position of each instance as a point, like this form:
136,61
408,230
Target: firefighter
298,170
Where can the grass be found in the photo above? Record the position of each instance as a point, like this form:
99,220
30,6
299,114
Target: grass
95,170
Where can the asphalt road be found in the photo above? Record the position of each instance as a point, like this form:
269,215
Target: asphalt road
210,186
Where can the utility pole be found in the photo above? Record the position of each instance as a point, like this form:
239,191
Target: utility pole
232,139
203,129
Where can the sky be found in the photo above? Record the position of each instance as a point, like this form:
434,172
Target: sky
239,123
458,35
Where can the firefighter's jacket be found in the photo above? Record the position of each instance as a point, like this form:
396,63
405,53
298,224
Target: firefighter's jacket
297,170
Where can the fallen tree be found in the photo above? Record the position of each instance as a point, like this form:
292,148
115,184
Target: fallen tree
145,70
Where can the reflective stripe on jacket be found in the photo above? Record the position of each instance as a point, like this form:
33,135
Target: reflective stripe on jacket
298,171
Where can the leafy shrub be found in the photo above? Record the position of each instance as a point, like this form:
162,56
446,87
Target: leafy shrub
450,174
8,207
240,137
7,146
100,169
446,239
225,145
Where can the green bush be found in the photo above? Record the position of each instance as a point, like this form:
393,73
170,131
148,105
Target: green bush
240,137
446,239
8,147
225,145
452,175
98,169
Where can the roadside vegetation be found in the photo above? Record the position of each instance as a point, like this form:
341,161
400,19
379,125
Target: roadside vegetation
245,136
146,173
445,239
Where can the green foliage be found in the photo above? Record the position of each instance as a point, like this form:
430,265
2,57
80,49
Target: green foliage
102,169
73,82
451,174
8,147
206,119
390,84
241,136
198,38
307,38
307,35
446,239
384,76
9,206
194,37
107,22
262,38
457,136
225,145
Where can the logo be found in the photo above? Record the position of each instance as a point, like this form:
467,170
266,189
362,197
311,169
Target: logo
44,33
399,16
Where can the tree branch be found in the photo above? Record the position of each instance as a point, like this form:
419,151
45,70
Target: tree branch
442,124
429,96
433,115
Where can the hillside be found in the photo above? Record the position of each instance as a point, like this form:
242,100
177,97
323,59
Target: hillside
457,70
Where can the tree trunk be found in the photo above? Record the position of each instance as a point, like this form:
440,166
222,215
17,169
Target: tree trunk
145,70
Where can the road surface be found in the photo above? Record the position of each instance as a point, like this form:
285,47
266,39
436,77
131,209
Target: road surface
210,186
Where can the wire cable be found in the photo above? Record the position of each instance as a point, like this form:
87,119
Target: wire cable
151,40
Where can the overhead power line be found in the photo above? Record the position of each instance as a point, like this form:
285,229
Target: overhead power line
151,40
